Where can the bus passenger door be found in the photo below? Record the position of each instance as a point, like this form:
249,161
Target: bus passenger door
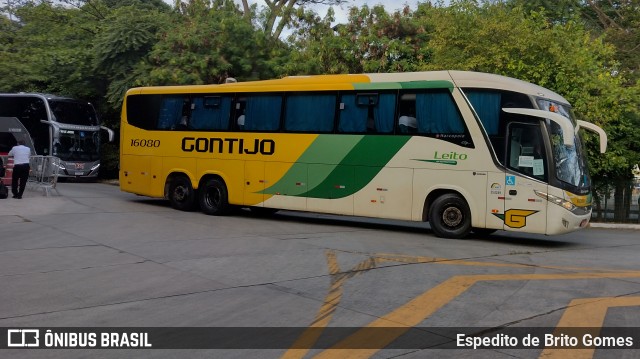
526,173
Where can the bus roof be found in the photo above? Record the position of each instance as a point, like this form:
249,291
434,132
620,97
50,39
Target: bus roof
371,81
45,96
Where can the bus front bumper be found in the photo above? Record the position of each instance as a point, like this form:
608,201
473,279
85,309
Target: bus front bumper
78,169
561,220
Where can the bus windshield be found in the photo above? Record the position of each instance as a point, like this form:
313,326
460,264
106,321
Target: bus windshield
76,145
570,165
73,112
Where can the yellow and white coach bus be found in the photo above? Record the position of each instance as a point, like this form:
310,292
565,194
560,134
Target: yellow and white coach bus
464,151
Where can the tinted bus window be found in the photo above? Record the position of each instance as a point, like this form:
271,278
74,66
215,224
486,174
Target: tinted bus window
210,113
310,112
258,112
433,114
488,105
174,112
143,110
367,112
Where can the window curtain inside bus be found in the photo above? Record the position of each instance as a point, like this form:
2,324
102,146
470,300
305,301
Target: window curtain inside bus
353,118
263,113
210,113
310,113
437,113
384,113
170,112
487,106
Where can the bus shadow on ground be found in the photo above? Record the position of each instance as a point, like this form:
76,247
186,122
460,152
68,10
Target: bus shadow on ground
499,237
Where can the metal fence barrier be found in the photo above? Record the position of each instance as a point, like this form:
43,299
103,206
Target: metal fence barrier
44,173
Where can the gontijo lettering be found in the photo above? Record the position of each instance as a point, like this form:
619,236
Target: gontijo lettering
229,145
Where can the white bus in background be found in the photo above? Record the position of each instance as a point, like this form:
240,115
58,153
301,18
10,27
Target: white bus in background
57,126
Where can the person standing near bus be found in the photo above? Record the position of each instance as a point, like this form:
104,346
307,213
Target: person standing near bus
21,155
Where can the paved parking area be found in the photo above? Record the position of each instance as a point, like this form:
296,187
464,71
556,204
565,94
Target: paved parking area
97,257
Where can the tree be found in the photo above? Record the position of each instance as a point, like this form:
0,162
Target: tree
277,14
207,45
125,38
371,41
45,49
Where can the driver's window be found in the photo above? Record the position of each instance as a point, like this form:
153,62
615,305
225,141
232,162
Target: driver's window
525,150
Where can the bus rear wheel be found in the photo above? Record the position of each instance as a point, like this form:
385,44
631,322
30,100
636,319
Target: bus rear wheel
214,198
450,216
181,194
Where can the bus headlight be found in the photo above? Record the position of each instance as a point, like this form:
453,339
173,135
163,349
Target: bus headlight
557,200
95,167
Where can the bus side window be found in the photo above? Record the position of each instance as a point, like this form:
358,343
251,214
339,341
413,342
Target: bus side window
488,105
407,122
262,112
436,115
172,112
312,112
367,112
210,113
526,152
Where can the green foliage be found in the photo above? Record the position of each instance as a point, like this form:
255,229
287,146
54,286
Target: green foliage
121,46
47,52
562,56
206,47
372,41
588,51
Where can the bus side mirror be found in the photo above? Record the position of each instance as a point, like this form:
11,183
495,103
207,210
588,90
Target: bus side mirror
109,132
568,131
594,128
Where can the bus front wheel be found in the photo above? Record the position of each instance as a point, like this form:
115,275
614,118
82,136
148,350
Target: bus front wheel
214,198
450,216
181,194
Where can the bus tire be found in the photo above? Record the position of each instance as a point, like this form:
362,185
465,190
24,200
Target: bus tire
483,232
214,198
450,216
181,194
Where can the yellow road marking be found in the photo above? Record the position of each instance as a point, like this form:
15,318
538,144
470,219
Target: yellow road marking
586,313
421,307
331,301
417,309
461,262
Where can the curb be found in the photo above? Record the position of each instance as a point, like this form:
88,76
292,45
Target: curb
615,226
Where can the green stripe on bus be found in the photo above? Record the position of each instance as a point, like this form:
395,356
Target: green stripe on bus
328,150
438,84
358,167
